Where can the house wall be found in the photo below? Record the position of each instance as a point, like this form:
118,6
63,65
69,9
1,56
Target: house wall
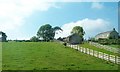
114,35
75,39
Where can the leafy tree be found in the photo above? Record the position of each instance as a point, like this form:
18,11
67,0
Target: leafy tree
78,30
4,36
47,32
34,39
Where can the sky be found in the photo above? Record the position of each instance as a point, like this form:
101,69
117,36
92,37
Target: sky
21,19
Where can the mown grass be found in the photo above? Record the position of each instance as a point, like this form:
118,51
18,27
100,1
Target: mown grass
115,46
49,56
0,56
87,45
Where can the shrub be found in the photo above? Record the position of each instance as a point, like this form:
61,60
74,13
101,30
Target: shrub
109,41
34,39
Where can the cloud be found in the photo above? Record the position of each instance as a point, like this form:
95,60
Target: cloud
97,5
90,26
14,12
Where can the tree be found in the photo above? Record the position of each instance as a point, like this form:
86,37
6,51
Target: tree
34,39
3,36
78,30
47,32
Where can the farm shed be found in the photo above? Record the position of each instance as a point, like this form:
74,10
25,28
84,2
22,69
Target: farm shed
108,35
2,36
74,39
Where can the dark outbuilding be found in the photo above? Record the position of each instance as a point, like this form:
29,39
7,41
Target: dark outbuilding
74,39
3,36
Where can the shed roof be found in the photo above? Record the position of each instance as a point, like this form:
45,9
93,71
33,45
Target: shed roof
72,35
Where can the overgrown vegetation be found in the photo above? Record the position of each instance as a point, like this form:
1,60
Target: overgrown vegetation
107,41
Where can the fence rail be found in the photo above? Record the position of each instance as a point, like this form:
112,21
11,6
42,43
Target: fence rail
108,48
101,55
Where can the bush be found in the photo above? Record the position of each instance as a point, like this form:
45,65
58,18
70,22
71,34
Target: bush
34,39
109,41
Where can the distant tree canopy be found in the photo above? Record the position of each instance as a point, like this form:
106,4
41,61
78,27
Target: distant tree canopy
3,34
78,30
34,39
47,32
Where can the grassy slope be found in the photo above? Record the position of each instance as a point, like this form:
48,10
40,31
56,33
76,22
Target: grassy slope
115,46
49,56
87,45
0,56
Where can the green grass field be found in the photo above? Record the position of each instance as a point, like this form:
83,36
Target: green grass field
115,46
87,45
0,56
49,56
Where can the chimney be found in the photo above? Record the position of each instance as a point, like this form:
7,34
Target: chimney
113,29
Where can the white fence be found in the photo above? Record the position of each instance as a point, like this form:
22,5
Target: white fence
101,55
108,48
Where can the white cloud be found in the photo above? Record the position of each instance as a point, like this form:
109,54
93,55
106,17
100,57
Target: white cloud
91,27
14,12
97,5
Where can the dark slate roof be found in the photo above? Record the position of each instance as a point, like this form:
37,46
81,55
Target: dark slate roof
72,35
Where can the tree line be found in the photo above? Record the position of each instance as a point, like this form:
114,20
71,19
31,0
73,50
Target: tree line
47,32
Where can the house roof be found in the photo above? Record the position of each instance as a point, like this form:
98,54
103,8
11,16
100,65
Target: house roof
108,32
72,35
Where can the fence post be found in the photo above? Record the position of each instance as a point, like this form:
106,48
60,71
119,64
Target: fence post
108,57
89,51
103,55
78,47
98,54
116,59
82,49
93,52
86,50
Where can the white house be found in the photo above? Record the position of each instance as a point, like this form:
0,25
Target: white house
108,35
